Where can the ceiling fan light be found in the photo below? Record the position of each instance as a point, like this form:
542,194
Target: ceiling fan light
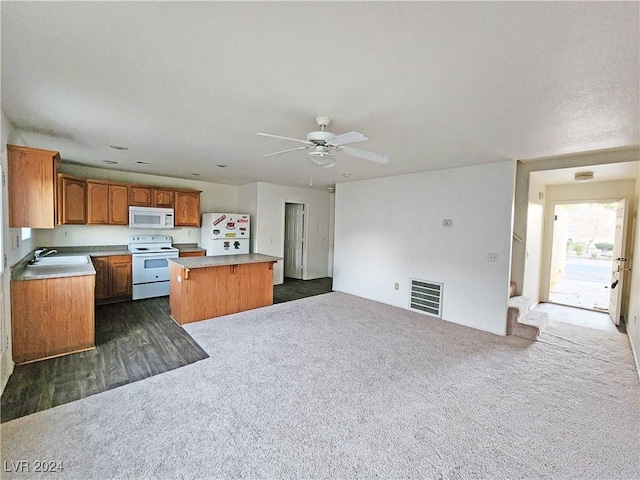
321,158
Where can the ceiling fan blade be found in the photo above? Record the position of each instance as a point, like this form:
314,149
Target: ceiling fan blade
356,152
306,142
284,151
350,137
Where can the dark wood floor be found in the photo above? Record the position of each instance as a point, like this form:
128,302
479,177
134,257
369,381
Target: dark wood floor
134,340
293,289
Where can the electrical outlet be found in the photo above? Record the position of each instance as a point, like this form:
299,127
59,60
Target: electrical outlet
396,286
188,233
66,233
448,222
492,257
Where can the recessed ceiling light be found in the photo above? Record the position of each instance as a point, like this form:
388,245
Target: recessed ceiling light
221,165
119,147
139,162
346,175
110,162
583,176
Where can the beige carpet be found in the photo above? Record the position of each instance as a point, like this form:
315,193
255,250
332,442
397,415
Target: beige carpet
335,386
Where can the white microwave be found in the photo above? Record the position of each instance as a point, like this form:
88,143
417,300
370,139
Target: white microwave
150,217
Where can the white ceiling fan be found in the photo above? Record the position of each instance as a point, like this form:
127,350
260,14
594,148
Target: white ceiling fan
322,146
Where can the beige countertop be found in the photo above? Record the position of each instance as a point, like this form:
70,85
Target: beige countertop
222,260
23,272
189,247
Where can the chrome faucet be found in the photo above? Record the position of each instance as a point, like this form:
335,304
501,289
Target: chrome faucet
41,252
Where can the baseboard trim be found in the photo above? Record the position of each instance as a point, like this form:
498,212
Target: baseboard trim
634,353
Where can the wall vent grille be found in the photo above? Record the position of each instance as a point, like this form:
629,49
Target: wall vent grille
426,297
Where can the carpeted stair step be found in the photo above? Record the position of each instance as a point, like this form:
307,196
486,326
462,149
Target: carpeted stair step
522,321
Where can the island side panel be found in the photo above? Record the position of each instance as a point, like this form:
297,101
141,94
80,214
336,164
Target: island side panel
175,291
214,291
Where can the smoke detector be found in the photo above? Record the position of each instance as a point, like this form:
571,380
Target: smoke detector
583,176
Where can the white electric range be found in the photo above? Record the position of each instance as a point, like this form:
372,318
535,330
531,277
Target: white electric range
150,264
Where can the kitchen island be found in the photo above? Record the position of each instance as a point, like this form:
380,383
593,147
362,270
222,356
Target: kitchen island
207,287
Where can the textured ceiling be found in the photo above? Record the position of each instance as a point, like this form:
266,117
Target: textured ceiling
187,85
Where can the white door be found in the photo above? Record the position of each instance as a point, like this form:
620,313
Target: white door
617,274
293,239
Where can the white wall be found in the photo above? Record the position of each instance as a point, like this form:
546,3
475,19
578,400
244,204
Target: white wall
332,221
535,227
248,204
269,227
633,320
214,198
390,230
15,249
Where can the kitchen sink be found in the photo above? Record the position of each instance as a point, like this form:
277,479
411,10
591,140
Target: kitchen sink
60,261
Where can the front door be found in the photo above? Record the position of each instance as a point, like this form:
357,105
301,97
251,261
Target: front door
293,239
617,274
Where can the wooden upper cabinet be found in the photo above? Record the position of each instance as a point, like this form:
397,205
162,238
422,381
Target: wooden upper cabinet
187,209
32,187
140,196
162,198
71,200
97,203
107,203
118,205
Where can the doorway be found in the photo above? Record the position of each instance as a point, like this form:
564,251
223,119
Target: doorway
293,239
582,254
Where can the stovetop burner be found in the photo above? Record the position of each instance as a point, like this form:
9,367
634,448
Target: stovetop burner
151,244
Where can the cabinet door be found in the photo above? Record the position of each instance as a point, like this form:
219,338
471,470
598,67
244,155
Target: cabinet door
32,187
163,198
187,209
97,203
101,265
120,275
118,205
71,200
192,254
140,196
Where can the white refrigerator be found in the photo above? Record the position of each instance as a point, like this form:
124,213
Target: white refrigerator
225,233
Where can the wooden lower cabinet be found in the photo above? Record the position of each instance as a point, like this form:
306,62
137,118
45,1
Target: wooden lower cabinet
113,278
192,254
101,266
52,317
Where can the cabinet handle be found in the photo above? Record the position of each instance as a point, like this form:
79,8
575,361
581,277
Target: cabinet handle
186,273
